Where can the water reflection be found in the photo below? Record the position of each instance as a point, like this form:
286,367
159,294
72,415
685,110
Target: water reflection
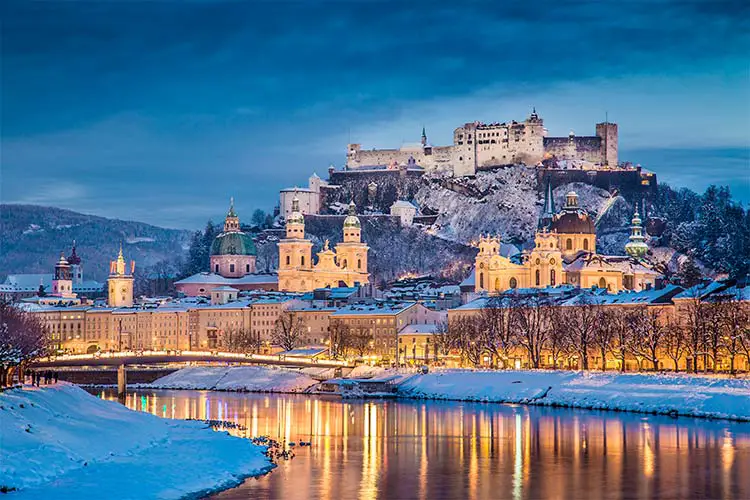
431,450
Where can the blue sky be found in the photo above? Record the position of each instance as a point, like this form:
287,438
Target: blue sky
160,111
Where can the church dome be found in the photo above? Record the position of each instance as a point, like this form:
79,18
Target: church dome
573,223
234,243
352,220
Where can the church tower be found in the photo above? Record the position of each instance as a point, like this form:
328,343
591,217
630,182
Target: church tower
295,253
62,284
637,246
351,255
120,282
76,266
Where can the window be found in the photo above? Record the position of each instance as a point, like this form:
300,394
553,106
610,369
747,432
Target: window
344,263
513,283
602,283
586,244
359,263
247,268
287,260
231,268
302,260
552,277
216,268
569,244
538,277
481,280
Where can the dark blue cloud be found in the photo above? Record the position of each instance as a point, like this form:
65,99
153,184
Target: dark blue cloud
182,101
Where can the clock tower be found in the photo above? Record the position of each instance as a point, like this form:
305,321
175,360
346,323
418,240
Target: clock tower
120,282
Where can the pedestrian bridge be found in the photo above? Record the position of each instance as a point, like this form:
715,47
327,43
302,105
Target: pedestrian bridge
168,357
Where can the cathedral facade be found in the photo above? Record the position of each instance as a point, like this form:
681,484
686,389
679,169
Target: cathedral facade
345,265
564,252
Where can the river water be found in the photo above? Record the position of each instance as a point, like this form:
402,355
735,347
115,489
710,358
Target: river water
434,450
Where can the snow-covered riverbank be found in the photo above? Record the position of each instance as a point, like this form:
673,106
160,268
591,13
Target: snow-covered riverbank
687,395
60,442
235,378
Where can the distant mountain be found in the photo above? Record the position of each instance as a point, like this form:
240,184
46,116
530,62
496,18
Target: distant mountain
33,237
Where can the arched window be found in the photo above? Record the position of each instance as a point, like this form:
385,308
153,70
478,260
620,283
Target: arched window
288,260
513,283
231,268
359,263
602,283
302,260
481,280
569,244
552,277
497,284
585,243
344,264
538,277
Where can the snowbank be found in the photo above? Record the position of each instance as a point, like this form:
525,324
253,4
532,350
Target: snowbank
235,378
60,442
697,396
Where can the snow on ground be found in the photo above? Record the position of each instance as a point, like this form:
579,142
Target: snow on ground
699,396
60,442
235,378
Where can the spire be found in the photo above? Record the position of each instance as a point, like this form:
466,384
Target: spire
352,208
548,211
231,207
424,137
636,246
119,255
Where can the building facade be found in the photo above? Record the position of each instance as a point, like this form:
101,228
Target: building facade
344,266
120,282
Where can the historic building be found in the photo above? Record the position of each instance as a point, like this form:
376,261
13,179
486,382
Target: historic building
120,282
346,264
232,263
564,252
477,145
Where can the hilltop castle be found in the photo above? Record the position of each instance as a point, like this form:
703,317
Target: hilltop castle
477,145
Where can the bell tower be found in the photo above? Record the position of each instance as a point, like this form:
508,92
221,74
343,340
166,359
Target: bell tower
120,282
62,284
351,255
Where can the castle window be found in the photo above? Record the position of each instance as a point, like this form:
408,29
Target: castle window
586,244
288,260
513,282
552,277
569,244
538,277
460,158
231,268
302,260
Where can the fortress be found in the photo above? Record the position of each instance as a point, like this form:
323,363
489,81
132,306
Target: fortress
482,145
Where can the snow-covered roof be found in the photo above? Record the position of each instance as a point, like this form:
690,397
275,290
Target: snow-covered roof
403,204
652,296
471,279
216,279
421,328
702,290
31,282
225,289
374,309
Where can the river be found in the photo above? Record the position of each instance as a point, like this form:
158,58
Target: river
399,449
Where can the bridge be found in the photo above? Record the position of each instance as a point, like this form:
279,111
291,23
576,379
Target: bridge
168,357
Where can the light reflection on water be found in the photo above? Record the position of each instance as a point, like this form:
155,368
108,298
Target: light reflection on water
430,450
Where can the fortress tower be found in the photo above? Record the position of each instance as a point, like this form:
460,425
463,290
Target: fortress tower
120,282
608,133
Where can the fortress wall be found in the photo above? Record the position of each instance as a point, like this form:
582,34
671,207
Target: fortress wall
393,185
627,182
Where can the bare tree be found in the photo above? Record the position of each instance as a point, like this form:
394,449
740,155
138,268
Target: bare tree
242,340
467,333
583,321
532,316
22,339
495,328
360,341
695,327
606,332
443,340
675,343
340,338
557,342
288,330
618,319
648,334
735,318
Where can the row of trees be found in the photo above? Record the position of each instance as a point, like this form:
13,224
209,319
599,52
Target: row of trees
548,335
22,339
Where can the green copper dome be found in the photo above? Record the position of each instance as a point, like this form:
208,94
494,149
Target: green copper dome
234,243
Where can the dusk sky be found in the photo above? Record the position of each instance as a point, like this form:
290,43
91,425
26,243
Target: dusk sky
160,111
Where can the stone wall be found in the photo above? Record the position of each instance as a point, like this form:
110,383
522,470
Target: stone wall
392,185
105,376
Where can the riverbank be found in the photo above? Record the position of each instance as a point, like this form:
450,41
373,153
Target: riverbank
60,442
235,378
667,394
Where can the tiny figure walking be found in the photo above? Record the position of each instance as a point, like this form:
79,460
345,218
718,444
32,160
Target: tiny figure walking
57,377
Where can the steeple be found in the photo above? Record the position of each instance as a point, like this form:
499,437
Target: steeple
548,211
424,137
636,246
